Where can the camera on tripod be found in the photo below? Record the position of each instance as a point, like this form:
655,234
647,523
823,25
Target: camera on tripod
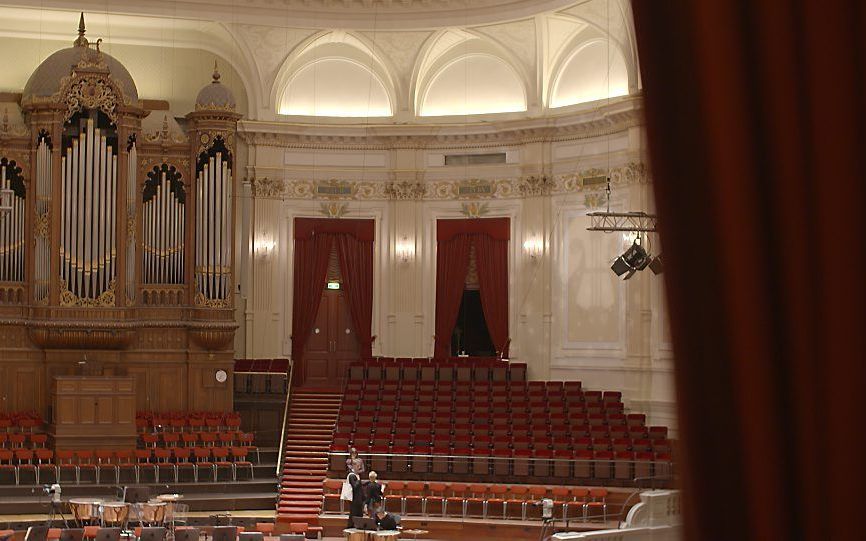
546,505
53,491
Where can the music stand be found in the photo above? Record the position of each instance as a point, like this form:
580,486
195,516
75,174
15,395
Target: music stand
362,523
137,494
187,534
156,533
224,533
107,534
36,533
72,534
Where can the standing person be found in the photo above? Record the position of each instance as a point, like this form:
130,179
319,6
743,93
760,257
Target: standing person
355,464
356,507
374,494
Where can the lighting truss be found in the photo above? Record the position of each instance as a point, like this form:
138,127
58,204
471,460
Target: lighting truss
629,222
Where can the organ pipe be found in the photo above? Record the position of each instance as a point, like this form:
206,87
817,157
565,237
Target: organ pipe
11,223
213,222
163,226
131,212
88,191
43,200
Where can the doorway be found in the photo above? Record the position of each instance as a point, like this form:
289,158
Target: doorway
470,336
333,343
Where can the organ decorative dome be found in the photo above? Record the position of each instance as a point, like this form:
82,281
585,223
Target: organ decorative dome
47,79
215,96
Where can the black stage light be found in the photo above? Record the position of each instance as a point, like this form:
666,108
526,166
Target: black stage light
633,260
656,265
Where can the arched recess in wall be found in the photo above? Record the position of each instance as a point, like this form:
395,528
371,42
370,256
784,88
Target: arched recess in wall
473,84
595,70
462,73
334,74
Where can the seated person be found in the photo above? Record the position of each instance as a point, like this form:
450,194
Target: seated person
385,520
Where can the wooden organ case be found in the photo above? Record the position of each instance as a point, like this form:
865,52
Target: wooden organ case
116,243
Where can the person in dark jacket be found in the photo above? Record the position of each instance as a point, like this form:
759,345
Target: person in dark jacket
384,520
356,507
374,494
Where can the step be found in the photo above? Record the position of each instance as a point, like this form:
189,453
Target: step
309,473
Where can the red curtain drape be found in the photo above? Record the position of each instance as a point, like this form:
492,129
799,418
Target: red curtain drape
452,262
356,265
492,260
310,273
756,119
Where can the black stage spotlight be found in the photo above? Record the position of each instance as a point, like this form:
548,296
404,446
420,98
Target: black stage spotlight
656,265
633,260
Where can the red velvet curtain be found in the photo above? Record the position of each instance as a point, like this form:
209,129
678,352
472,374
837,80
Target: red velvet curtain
756,121
356,265
452,262
492,259
310,273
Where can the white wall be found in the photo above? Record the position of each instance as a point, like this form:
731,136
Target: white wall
570,317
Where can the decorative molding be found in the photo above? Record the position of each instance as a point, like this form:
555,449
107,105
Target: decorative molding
451,190
420,136
8,130
42,224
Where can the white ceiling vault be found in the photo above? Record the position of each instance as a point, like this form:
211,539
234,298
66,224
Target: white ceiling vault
350,60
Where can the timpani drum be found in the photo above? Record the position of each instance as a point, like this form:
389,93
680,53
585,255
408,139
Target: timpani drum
170,500
85,511
355,535
388,535
152,512
115,513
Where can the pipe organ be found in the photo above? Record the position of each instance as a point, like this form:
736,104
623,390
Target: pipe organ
88,255
116,236
163,221
12,196
212,223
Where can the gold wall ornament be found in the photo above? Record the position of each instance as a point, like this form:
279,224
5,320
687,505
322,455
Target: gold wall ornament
474,209
200,300
268,187
405,190
334,210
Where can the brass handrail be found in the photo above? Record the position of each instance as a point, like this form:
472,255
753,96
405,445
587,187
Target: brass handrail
281,450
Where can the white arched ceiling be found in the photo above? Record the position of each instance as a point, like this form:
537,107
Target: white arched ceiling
473,84
595,70
337,87
335,74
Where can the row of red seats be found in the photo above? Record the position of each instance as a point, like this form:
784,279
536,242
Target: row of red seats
39,461
600,465
482,370
509,442
494,500
21,424
500,429
194,421
21,440
196,439
534,387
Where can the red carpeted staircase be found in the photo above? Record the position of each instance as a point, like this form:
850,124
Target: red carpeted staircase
309,433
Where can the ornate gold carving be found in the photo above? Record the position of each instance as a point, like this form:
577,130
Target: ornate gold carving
334,210
534,185
200,300
90,91
405,190
68,298
474,210
42,224
8,130
267,187
130,229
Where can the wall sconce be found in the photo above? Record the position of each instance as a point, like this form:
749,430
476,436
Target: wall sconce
405,250
534,247
264,247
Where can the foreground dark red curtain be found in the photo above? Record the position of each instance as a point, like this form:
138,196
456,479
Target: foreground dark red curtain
492,260
756,118
310,273
452,262
356,266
